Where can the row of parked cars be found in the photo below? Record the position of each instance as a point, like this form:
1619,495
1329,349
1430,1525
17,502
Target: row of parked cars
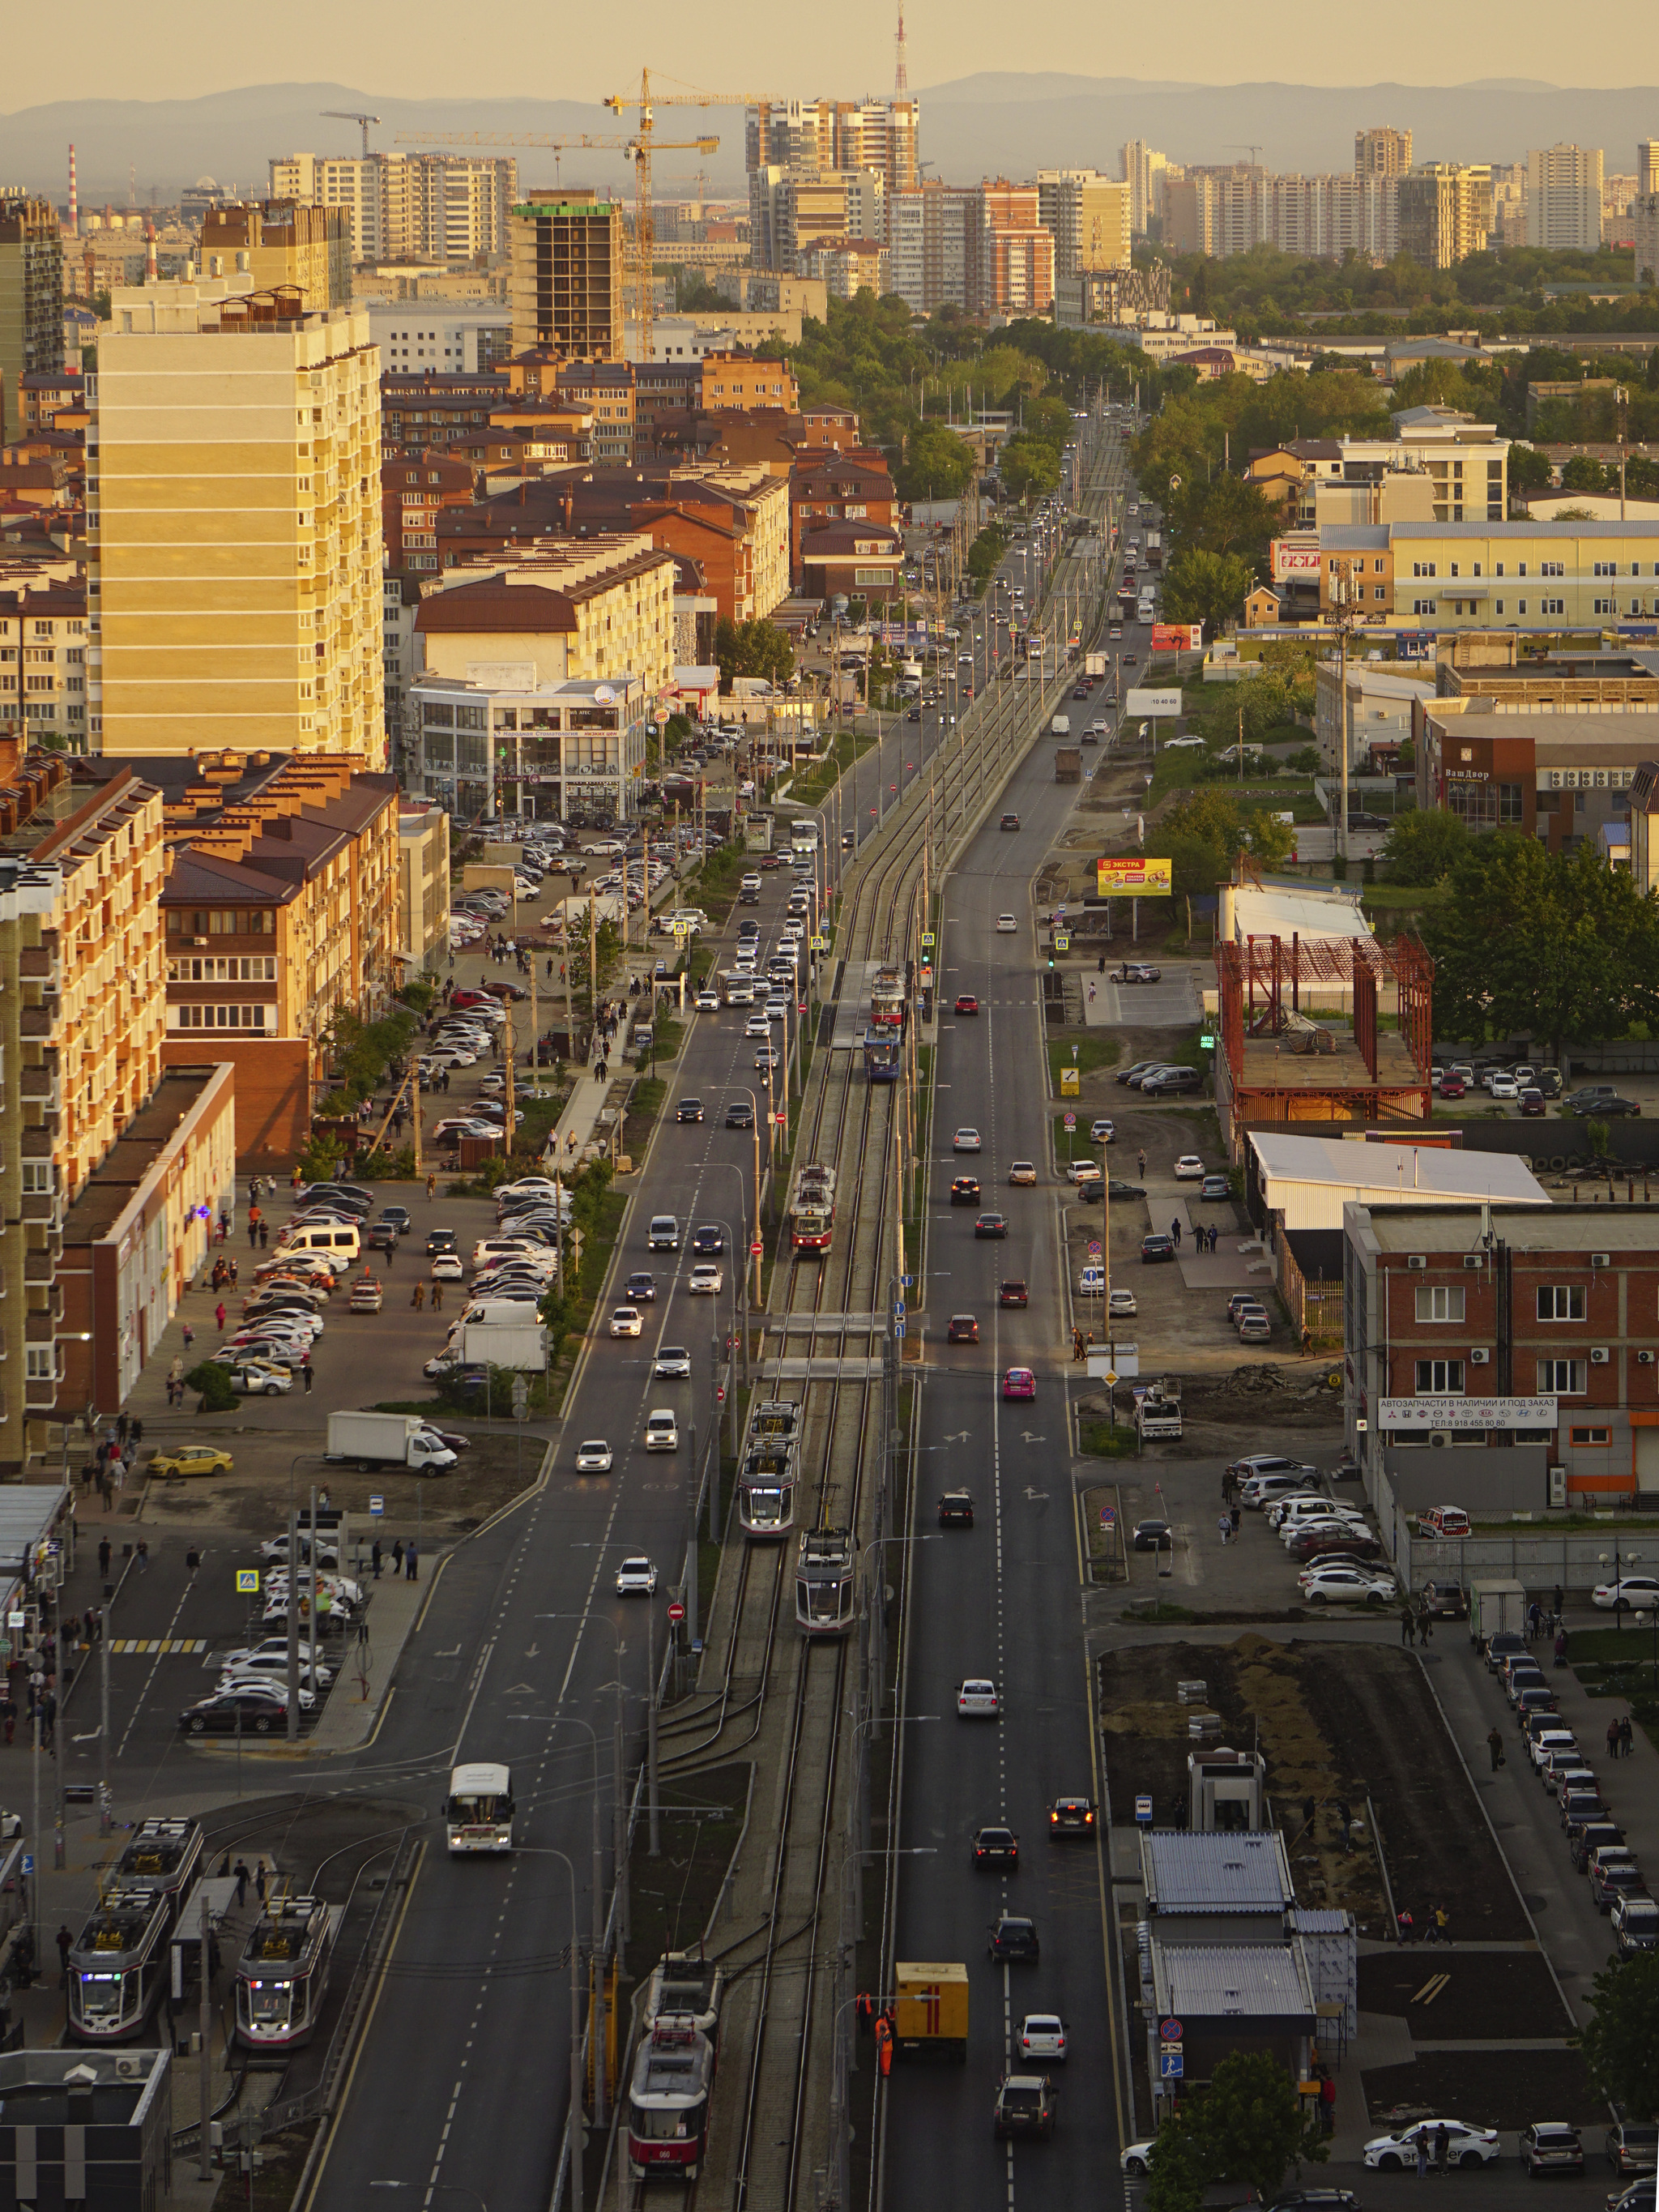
1161,1078
250,1696
1338,1558
1596,1842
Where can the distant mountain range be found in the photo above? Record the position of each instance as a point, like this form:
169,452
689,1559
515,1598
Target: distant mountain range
990,123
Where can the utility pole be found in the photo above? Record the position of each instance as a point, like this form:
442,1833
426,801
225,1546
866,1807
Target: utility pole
204,2162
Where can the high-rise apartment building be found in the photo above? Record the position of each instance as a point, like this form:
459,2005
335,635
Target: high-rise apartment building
1647,165
793,210
31,295
1090,217
408,207
1382,152
803,135
1563,198
567,280
1227,211
930,229
1445,212
1644,221
234,525
282,245
1011,271
1143,172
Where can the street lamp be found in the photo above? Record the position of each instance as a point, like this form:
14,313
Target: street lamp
1629,1559
1643,1616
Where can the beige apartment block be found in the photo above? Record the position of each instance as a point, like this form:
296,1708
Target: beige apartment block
579,609
286,244
1445,212
422,887
566,283
234,525
31,295
1090,217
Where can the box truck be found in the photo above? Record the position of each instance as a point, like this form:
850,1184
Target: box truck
522,1345
387,1440
1495,1604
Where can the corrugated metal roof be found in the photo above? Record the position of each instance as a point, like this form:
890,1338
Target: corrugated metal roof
1187,1872
1306,1923
1212,1981
1379,1173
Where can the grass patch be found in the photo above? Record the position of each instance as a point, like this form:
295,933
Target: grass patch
667,1035
1093,1053
713,883
810,789
645,1103
1401,898
1100,1440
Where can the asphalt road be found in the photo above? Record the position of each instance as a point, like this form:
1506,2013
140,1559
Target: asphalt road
1001,1599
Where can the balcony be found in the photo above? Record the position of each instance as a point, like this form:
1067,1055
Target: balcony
42,1206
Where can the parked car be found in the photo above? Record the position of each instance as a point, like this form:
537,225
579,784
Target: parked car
1632,2146
1635,1921
1465,2145
1551,2147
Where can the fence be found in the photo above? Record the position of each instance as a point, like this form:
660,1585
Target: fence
1314,1306
1540,1562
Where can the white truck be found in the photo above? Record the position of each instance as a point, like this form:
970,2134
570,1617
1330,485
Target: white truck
1094,664
521,1344
388,1440
1157,1412
1495,1604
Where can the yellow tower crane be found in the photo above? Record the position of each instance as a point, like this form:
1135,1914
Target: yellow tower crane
644,143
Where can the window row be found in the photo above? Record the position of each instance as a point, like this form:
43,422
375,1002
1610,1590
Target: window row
1556,1378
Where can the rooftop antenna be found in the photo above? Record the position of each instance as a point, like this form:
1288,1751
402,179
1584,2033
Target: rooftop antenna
900,64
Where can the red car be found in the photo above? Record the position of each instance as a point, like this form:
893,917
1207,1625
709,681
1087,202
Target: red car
470,999
967,1002
1452,1086
1013,1293
963,1329
1019,1382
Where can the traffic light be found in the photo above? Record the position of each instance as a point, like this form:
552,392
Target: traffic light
1051,959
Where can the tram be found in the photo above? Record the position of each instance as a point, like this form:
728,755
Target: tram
164,1855
668,2099
281,1978
686,1987
882,1055
766,1488
812,1208
888,999
775,1420
118,1965
825,1571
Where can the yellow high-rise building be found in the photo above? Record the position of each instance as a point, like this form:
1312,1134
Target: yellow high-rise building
233,526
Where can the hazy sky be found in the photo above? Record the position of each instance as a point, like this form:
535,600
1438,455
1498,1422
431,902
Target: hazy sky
424,48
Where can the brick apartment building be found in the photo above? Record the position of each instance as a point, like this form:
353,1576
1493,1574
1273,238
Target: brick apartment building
1504,1362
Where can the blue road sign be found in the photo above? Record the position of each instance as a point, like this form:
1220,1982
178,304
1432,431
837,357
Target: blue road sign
1169,2066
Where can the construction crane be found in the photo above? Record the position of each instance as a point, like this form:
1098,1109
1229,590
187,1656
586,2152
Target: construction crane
556,146
1245,146
644,143
351,115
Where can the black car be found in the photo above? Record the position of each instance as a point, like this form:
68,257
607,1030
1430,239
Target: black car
1153,1536
1013,1937
1116,1188
1170,1081
440,1240
258,1710
706,1238
965,1191
1011,822
956,1510
1155,1248
1137,1067
639,1289
991,1224
1610,1109
1503,1644
995,1847
740,1115
397,1218
1072,1816
688,1110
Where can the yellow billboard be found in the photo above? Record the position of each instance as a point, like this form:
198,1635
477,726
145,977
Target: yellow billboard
1133,875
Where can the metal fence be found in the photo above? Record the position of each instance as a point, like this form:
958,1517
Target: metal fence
1539,1560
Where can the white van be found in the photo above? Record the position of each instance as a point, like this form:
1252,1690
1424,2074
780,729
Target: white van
337,1239
518,1309
1061,725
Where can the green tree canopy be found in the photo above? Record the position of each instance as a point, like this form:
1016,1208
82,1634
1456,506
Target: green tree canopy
1581,473
1621,2042
1557,946
1028,465
1206,587
1529,469
1247,2126
753,648
937,464
1422,846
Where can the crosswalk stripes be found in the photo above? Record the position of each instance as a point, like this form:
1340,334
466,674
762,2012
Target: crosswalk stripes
147,1647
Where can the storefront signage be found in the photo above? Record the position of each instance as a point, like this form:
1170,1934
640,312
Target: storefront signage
1468,1413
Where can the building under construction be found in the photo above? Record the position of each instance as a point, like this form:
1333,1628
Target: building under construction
1321,1028
566,281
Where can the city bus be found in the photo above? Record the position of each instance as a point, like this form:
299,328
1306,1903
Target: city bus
478,1811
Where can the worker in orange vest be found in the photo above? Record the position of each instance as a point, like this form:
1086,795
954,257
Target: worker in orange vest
884,2045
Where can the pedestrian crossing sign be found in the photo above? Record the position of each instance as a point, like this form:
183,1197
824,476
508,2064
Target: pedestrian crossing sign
247,1582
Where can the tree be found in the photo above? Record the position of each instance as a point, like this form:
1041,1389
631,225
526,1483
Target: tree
1247,2126
1582,474
1529,469
1422,846
938,465
1029,464
1272,842
1620,2043
753,648
1225,515
1204,586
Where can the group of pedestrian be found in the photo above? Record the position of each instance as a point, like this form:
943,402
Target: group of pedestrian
1621,1738
1431,2148
1416,1621
1437,1930
224,1277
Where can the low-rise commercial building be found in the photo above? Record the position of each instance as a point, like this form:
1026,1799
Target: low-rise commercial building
1565,776
501,742
422,887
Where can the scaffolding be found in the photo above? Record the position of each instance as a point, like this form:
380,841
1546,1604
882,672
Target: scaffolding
1385,1075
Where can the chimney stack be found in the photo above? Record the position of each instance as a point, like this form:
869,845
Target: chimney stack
74,199
150,253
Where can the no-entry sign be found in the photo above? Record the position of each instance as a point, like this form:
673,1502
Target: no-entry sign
676,1611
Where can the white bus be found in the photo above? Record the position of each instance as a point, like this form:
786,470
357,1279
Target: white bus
478,1811
804,834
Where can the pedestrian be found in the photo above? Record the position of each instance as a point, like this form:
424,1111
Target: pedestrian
396,1559
259,1882
1535,1621
1424,1624
1225,1525
66,1944
1100,968
417,1297
1613,1739
1441,1931
865,2011
142,1555
1560,1647
375,1558
411,1563
431,1185
1405,1924
324,1501
1344,1824
1559,1607
1327,2104
121,1426
1235,1514
240,1871
1175,1232
1307,1340
103,1555
1407,1624
1626,1737
437,1297
1495,1746
305,1370
192,1560
1422,2153
265,1235
219,1315
253,1229
1140,1163
9,1714
1441,2140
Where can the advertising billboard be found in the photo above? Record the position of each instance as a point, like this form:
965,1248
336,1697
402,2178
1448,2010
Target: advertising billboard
1177,637
1133,875
1148,701
1468,1413
1293,559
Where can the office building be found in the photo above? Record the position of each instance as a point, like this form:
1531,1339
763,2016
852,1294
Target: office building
408,207
447,338
1563,198
1445,212
1090,217
31,295
201,447
1143,172
567,282
1383,152
284,246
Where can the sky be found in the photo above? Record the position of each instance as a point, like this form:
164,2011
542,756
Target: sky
422,49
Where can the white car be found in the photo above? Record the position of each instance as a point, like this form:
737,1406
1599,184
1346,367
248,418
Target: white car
1328,1528
1082,1171
1309,1506
966,1140
1465,2146
257,1678
625,1321
1137,2159
977,1698
1102,1132
1006,924
1042,2035
449,1055
708,1002
1121,1306
673,1364
260,1377
1504,1086
446,1268
757,1025
265,1660
1628,1591
662,1430
1190,1167
1346,1585
593,1457
707,1278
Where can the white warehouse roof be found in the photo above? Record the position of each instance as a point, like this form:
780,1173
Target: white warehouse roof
1309,1179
